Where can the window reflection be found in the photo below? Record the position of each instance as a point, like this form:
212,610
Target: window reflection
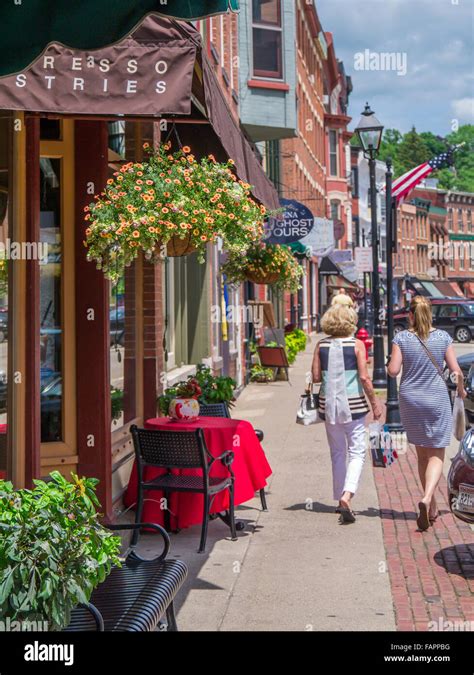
5,182
50,301
122,318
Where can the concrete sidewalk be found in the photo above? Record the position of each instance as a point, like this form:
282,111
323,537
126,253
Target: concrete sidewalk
295,567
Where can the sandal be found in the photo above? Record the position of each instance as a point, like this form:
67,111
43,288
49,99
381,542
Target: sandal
347,515
423,520
433,519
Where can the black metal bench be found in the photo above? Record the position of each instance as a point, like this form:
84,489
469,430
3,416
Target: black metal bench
136,596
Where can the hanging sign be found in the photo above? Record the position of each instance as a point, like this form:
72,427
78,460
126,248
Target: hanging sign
295,223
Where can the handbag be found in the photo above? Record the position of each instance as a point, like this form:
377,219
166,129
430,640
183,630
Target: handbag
307,412
459,420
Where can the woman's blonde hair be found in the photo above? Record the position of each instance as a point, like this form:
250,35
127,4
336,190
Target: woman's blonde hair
420,307
339,321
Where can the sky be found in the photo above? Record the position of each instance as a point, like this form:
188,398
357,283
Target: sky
430,83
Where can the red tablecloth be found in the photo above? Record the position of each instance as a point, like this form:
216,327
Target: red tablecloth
250,467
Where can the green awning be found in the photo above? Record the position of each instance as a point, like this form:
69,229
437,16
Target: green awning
28,27
298,248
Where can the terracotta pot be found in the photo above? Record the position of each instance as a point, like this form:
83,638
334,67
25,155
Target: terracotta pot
177,247
184,409
263,277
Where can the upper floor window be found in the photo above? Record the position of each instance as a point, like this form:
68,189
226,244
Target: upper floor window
267,39
335,210
450,219
460,221
469,220
333,152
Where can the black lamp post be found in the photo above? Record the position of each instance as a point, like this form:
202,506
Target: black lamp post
393,411
369,131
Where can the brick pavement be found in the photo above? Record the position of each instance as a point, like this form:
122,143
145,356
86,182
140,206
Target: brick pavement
431,573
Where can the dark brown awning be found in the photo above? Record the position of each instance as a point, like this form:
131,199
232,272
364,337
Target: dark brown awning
148,74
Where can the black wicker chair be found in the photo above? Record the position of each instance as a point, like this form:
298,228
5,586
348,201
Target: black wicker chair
181,450
222,410
135,596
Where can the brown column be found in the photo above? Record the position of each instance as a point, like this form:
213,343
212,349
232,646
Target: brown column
32,360
92,336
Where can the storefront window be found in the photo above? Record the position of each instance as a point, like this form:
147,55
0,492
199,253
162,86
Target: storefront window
51,334
5,186
123,352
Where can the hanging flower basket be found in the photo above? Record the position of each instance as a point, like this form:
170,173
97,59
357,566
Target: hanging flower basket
264,264
170,204
262,277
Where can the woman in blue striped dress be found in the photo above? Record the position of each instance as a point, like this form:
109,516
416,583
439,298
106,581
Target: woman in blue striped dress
340,365
425,406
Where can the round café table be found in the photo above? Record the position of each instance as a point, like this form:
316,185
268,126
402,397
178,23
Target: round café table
250,467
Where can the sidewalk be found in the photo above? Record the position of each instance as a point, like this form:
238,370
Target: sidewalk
295,567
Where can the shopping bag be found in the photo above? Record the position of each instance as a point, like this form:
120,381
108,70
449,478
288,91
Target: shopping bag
383,447
459,419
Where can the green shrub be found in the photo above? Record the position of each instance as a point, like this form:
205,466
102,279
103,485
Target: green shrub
53,550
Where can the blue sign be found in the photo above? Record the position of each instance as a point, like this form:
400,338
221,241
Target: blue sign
295,223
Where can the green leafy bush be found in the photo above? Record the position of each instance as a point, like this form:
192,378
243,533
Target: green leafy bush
208,389
53,550
259,373
295,342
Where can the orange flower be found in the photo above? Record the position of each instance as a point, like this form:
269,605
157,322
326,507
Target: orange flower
149,182
146,145
166,194
151,229
86,208
110,181
88,231
186,149
164,210
136,234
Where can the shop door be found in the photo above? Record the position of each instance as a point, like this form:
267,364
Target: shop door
56,298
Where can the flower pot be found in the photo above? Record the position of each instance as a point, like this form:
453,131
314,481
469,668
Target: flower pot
184,409
262,277
177,247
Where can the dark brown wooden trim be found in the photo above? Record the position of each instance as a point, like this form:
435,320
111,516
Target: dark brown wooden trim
92,337
32,303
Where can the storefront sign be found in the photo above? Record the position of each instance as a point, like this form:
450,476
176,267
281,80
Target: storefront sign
127,78
294,224
321,238
363,258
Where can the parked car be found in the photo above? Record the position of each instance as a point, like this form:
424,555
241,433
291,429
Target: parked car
466,363
3,324
117,325
456,317
461,480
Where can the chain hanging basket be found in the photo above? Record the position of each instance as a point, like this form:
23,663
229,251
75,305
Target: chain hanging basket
177,247
262,277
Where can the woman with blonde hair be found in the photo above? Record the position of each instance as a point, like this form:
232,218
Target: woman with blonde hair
425,406
339,363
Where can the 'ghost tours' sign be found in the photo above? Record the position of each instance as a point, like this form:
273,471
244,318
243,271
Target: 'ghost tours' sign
295,223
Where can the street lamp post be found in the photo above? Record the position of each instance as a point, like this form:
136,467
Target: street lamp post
370,131
366,290
393,411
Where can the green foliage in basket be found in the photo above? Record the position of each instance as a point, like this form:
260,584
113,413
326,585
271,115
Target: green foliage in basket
53,550
147,203
260,373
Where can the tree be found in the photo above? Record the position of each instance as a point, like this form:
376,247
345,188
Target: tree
411,151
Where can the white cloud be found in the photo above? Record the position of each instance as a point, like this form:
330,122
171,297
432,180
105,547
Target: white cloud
463,108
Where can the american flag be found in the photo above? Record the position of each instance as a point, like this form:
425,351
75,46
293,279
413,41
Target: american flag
402,186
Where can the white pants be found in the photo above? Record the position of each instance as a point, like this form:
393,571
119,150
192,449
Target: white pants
348,444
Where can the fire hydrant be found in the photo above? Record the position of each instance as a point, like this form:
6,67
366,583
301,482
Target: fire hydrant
363,335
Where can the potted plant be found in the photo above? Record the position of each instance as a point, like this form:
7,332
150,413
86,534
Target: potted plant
259,373
53,550
183,405
170,204
207,387
264,263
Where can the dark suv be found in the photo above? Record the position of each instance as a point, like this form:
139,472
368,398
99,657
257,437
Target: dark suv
456,317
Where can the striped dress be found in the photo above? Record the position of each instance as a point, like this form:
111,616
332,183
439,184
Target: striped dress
341,396
425,407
